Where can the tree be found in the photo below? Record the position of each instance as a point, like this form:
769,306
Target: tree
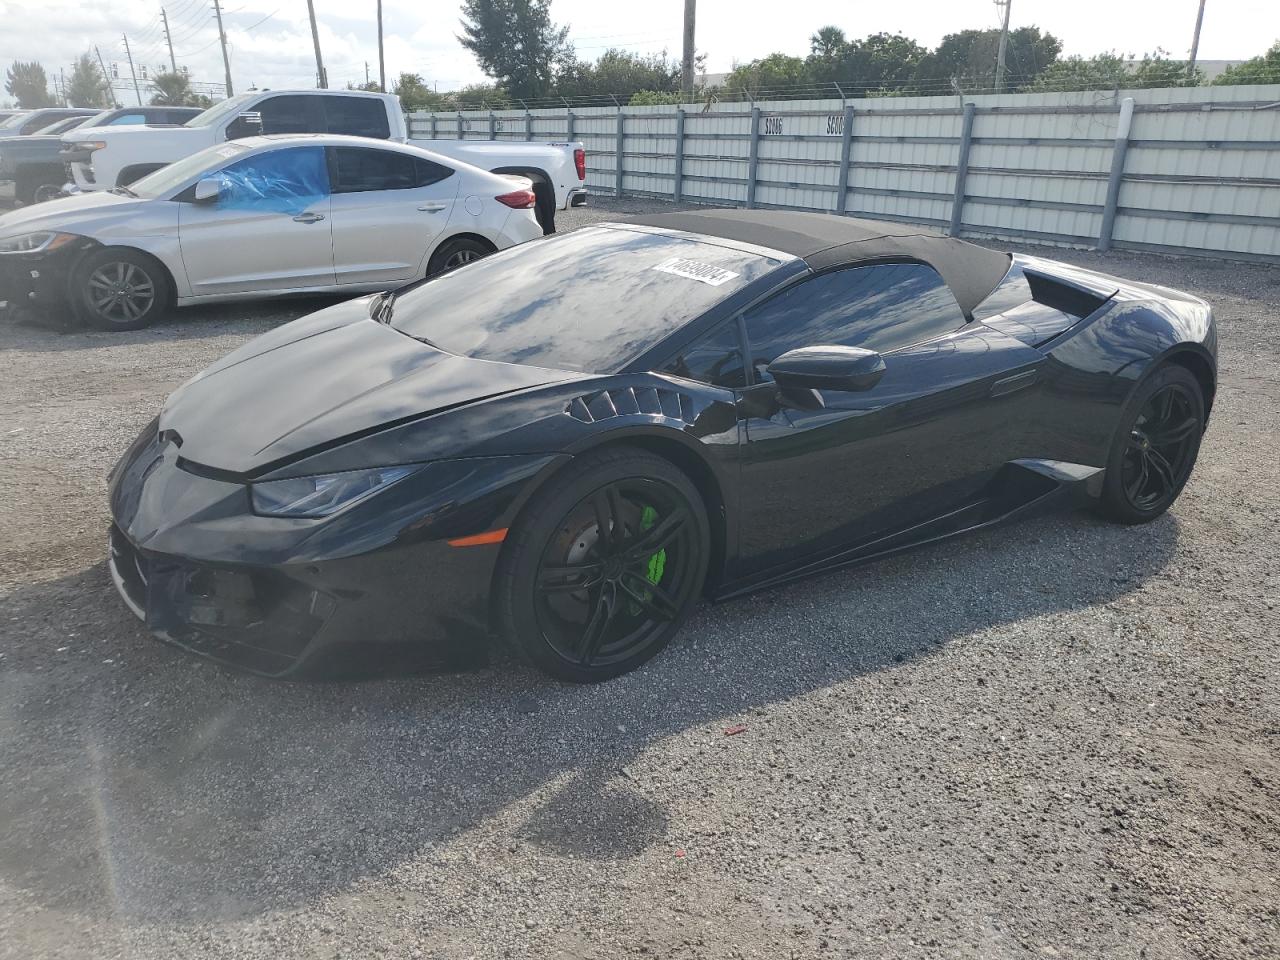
828,43
1263,69
87,86
415,96
475,96
515,43
174,90
620,73
969,58
1104,71
27,83
774,74
1157,70
880,62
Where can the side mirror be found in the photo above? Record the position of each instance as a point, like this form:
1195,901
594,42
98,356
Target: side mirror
827,368
208,190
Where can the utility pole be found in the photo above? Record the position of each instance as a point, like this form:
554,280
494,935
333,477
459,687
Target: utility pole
686,68
106,79
382,63
1195,43
164,18
226,61
1004,44
132,72
321,80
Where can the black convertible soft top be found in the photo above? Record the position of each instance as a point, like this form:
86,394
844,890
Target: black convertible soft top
826,240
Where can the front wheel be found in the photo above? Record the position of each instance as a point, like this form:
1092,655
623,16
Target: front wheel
119,289
604,566
1155,448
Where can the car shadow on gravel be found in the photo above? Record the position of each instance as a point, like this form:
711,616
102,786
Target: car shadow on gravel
142,784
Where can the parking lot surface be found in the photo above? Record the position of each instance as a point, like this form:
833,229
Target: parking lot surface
1055,739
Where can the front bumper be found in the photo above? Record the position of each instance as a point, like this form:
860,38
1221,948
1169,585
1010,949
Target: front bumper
38,280
374,588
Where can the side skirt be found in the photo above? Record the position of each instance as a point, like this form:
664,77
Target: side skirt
1019,488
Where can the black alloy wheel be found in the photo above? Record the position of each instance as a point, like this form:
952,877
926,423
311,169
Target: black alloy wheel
456,253
602,573
1152,459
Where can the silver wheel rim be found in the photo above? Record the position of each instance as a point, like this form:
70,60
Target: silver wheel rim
460,259
121,292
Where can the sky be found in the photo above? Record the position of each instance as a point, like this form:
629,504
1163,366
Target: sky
270,40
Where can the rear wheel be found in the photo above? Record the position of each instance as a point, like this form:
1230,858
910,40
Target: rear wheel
1157,445
604,566
456,253
120,289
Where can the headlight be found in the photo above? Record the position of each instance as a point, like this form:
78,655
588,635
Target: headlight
322,495
91,145
41,242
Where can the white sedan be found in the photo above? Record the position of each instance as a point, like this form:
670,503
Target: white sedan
261,217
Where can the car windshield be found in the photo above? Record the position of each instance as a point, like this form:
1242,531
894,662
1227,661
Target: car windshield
219,111
590,300
61,126
167,179
14,121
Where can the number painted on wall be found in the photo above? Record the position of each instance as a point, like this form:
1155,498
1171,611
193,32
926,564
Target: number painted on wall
771,126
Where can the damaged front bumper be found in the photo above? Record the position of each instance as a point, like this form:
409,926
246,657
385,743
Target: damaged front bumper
39,281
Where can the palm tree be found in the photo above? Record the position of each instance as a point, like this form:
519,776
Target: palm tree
172,90
828,43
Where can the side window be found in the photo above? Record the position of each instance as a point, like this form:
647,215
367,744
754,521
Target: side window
128,118
291,114
715,359
359,169
881,307
37,122
357,117
282,181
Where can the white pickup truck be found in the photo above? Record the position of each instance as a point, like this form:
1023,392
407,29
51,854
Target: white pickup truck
115,157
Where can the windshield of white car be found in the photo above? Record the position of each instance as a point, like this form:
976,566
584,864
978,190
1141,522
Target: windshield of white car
15,121
590,300
219,111
181,172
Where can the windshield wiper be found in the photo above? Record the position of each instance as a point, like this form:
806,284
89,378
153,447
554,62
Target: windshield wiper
124,191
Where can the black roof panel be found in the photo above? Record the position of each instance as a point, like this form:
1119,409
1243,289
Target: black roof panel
826,240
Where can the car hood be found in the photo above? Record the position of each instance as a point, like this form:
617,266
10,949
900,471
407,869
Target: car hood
134,130
69,214
328,377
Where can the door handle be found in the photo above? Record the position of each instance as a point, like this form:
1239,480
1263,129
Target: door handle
308,217
431,207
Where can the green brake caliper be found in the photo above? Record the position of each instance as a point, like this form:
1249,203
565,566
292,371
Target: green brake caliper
657,561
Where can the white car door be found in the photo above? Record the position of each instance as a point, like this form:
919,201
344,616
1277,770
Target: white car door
388,208
268,230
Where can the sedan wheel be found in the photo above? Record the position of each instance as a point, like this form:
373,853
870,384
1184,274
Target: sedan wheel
459,258
117,289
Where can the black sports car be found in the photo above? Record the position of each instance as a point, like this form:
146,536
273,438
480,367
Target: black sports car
568,443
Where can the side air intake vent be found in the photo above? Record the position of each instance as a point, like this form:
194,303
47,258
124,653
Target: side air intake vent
624,401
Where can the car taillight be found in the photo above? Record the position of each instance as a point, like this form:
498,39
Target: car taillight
580,161
518,199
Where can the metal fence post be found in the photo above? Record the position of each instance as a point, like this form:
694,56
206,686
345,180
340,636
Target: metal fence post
1117,174
493,126
433,126
677,189
962,168
461,136
846,149
753,160
617,182
568,125
528,125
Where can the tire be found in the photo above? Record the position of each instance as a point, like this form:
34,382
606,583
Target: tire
1155,447
45,192
546,206
120,289
555,580
456,253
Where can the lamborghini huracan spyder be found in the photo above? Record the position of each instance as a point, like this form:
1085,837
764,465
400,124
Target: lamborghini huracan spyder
567,443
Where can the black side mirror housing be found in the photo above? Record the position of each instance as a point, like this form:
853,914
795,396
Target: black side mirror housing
827,368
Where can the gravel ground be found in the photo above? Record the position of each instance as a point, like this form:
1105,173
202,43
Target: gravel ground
1057,740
